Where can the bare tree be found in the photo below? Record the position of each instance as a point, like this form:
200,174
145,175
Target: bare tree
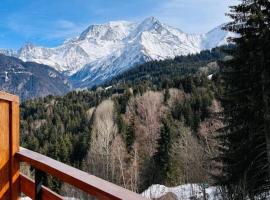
147,111
134,169
90,112
188,157
107,156
176,96
118,161
103,133
207,132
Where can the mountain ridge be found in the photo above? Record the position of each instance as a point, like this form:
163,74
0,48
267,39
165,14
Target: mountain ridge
30,80
104,50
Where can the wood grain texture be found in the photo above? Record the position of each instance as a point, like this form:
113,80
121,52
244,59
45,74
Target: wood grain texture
14,117
9,97
90,184
28,188
4,149
9,146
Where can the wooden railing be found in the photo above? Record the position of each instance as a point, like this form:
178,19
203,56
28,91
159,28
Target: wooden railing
13,183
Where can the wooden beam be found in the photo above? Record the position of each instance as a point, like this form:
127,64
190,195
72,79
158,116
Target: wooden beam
14,118
28,188
9,97
90,184
9,146
39,176
4,150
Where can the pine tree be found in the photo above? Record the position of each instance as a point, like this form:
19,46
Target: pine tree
162,157
246,138
166,95
130,135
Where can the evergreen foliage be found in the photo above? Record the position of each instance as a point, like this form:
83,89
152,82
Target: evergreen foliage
162,156
167,73
61,127
246,138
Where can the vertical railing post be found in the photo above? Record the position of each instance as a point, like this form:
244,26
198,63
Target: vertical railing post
14,146
9,146
39,175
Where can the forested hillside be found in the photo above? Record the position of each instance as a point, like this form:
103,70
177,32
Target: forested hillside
30,80
135,133
168,71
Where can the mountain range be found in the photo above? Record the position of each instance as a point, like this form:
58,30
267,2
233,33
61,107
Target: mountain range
103,51
29,79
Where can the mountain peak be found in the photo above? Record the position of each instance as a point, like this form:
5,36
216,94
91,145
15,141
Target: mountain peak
28,45
103,50
119,23
150,24
26,50
107,30
151,20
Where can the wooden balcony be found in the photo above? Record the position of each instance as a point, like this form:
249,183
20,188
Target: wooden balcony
13,182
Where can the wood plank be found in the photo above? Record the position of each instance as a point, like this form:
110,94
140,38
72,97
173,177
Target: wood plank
4,149
28,188
90,184
14,148
9,146
9,97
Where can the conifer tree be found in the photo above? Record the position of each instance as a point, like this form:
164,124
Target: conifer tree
162,156
246,138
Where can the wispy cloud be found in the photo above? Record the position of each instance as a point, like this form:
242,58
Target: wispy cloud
194,15
65,24
59,29
64,29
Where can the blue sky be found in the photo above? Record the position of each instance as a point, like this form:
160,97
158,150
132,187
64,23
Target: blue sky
50,22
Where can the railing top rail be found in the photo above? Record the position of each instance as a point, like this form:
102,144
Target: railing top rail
91,184
8,97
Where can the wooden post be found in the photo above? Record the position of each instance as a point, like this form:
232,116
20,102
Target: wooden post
38,184
9,146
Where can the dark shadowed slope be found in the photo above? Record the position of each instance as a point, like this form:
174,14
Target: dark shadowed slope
30,80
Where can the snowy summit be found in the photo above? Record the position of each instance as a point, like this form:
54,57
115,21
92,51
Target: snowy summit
104,50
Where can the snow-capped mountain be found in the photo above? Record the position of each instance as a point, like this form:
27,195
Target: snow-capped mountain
103,51
8,52
216,37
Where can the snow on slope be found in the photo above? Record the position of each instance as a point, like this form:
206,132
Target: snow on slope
8,52
102,51
183,192
96,42
216,37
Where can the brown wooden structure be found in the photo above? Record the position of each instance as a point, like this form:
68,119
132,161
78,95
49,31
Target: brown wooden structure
13,183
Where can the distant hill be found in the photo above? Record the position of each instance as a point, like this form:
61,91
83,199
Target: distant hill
165,72
30,80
